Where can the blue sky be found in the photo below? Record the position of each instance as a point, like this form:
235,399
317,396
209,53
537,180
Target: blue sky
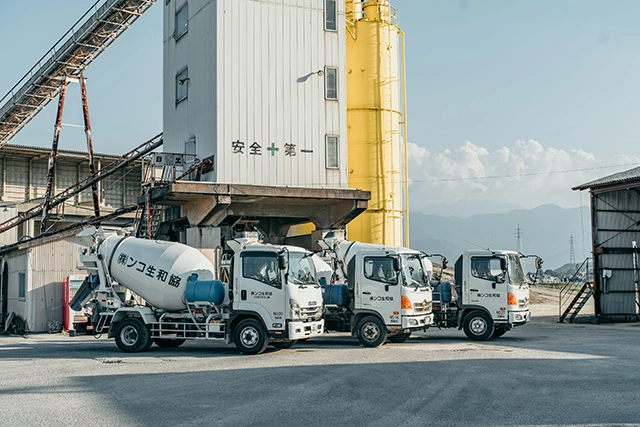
494,88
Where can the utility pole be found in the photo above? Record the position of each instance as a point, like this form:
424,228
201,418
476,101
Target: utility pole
572,252
518,234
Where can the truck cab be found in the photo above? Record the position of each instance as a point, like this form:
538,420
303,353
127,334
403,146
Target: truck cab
279,284
383,292
493,295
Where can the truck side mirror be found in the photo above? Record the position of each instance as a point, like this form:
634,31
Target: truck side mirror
396,264
503,264
282,262
538,263
445,262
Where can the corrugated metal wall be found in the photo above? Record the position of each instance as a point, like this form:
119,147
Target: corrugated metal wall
17,176
26,179
45,266
122,188
617,215
17,262
253,81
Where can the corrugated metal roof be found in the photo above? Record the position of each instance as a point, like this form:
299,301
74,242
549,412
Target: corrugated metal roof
30,150
616,178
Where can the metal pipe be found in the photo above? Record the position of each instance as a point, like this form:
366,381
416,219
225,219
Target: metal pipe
52,157
635,270
404,138
87,131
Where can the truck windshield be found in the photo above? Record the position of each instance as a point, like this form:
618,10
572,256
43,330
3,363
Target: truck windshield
414,272
516,274
301,269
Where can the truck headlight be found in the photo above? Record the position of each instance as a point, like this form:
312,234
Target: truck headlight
295,309
511,299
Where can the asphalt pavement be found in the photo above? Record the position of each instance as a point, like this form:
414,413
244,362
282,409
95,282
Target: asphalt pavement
541,374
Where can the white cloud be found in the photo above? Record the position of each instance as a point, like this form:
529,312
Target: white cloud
525,173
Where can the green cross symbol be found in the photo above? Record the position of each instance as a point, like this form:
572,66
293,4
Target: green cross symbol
273,149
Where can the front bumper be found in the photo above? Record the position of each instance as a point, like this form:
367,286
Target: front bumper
299,330
518,318
416,322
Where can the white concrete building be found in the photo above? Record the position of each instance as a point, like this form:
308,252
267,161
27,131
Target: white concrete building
260,86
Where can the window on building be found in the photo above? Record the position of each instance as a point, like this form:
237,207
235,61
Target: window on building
332,151
330,15
22,286
182,21
190,145
331,83
182,85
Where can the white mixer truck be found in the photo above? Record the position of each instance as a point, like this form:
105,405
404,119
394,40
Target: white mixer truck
377,292
491,294
273,296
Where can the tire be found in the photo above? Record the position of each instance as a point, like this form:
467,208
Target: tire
167,343
498,332
478,326
284,344
133,336
400,338
371,332
250,337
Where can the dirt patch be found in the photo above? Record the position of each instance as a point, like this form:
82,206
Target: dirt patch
539,294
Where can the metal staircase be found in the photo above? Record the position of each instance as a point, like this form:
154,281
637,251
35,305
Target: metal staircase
68,57
575,293
149,217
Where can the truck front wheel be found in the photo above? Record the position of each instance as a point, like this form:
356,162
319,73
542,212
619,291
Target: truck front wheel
133,336
250,337
371,332
478,326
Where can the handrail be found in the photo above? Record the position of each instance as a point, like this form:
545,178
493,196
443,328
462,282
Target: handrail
568,292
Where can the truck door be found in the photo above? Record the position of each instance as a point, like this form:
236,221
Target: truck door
487,286
379,285
259,287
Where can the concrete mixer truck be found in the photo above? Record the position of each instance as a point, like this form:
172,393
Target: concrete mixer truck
377,292
273,296
491,294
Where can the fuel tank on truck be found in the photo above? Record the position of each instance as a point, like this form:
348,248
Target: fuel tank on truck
158,271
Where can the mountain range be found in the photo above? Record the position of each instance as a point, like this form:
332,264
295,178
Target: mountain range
545,231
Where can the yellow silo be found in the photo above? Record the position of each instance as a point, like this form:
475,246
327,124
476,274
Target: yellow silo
376,122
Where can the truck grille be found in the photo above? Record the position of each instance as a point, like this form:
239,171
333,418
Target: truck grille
422,306
310,313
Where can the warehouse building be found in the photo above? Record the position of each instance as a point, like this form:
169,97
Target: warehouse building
615,228
31,271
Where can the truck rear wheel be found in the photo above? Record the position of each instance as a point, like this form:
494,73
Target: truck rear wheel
250,337
478,326
133,336
400,338
284,344
167,343
371,332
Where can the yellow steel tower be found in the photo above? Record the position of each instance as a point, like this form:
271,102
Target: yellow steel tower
376,144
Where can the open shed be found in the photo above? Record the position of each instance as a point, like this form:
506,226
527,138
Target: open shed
615,231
